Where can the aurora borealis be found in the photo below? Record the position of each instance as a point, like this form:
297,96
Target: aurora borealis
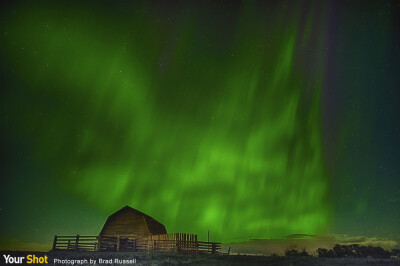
249,119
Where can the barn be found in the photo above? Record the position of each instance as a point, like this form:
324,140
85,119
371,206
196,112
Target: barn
133,223
131,230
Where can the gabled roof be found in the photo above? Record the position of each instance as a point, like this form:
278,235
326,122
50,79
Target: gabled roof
131,221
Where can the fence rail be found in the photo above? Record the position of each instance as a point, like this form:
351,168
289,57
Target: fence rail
177,242
78,243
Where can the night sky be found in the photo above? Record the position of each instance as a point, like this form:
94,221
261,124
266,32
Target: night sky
251,119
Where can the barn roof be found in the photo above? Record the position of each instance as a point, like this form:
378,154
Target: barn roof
129,221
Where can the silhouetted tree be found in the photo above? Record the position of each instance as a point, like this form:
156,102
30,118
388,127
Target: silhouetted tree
292,251
304,252
380,253
322,252
354,250
395,252
341,251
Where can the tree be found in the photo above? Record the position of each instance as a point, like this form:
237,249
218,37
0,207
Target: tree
322,252
340,251
304,252
380,253
292,251
395,253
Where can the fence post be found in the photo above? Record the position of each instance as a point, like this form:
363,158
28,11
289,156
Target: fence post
118,242
98,243
177,241
134,244
208,240
196,243
213,248
76,242
55,242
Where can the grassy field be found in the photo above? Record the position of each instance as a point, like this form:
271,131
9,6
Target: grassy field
157,258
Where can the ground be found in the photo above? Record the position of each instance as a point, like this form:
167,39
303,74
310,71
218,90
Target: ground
157,258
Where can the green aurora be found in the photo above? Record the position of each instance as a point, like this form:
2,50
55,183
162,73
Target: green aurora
204,124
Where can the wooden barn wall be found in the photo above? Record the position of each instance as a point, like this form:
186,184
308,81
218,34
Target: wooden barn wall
125,223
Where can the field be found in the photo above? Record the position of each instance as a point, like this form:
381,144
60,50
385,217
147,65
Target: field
158,258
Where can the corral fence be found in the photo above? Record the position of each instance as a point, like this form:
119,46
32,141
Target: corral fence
78,242
177,242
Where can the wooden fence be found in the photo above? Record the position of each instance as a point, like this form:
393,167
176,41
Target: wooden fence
177,242
81,243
